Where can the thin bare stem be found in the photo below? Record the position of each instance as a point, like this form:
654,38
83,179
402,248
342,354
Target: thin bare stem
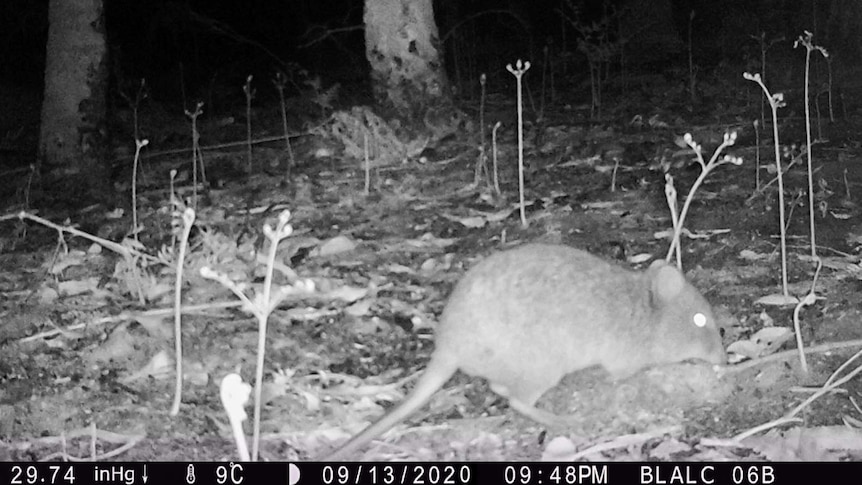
776,101
518,71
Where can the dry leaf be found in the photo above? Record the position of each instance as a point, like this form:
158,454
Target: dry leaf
559,449
159,367
766,341
777,299
336,245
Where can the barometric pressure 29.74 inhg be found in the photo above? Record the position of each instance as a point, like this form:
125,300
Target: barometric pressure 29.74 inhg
42,474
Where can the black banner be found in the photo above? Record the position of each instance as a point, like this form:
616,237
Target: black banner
412,473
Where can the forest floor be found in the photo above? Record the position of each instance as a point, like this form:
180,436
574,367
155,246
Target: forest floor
88,335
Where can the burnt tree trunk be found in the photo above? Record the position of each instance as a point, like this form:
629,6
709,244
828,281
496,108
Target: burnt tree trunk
403,47
71,141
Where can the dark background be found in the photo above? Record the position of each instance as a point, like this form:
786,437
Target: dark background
221,42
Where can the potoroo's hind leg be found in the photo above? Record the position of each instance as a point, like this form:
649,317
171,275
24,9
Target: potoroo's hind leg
523,396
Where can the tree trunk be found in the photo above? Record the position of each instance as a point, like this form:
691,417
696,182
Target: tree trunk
71,140
403,47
